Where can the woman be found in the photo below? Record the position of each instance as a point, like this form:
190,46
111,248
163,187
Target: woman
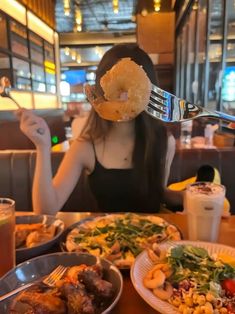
127,163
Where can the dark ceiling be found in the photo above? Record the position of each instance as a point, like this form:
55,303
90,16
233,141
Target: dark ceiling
99,16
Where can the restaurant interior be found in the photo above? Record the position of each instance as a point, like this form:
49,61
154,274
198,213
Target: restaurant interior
49,50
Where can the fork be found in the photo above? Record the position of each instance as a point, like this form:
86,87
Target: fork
50,281
169,108
5,88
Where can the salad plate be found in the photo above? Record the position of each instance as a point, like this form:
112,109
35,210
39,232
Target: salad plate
143,264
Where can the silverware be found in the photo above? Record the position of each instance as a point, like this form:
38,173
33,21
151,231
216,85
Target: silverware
169,108
50,281
5,88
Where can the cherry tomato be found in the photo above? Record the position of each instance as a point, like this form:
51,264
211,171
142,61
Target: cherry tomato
229,286
231,308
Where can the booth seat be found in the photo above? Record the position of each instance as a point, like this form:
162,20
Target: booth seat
12,138
17,169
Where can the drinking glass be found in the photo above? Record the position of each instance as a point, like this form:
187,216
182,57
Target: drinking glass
203,204
7,235
186,133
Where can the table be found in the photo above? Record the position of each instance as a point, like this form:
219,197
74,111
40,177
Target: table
130,301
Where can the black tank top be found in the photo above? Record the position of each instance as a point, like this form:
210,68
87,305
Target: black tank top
116,190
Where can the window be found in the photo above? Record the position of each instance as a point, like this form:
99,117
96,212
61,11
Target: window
5,65
19,39
21,74
26,58
36,48
49,52
38,78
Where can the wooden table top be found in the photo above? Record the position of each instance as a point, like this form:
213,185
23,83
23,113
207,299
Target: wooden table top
130,301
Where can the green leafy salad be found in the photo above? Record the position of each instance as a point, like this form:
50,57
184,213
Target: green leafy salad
194,264
120,237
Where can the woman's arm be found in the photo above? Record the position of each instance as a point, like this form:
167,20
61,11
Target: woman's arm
50,194
172,198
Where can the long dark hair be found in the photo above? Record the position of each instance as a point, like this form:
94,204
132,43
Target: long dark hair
150,135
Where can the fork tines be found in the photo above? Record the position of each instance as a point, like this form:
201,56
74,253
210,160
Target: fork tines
55,275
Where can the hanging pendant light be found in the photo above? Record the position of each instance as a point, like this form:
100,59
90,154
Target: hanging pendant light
67,7
157,5
115,6
78,19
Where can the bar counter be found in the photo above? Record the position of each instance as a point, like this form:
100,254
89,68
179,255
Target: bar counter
130,301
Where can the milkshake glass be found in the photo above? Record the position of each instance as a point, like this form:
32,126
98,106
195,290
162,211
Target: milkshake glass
203,204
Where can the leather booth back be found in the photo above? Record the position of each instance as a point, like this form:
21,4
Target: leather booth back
17,169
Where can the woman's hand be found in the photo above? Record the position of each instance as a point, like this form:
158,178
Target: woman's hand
35,128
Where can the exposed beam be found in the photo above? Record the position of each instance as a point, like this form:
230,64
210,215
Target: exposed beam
78,39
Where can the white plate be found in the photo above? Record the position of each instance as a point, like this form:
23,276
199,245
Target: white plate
143,264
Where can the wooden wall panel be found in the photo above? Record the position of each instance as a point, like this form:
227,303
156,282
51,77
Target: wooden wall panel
156,32
156,36
44,9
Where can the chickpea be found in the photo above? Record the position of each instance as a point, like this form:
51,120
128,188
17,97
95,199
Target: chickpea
197,310
188,310
223,310
194,297
176,301
188,301
210,297
182,307
201,299
218,303
207,308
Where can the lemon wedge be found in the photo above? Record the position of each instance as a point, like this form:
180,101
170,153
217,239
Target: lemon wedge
225,258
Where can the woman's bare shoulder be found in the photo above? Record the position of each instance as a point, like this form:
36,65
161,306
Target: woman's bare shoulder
82,150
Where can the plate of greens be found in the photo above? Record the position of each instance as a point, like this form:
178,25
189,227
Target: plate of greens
118,237
187,277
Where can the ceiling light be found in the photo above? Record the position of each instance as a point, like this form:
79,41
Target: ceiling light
144,12
79,28
195,5
115,6
78,19
67,7
78,59
66,51
157,5
78,16
73,55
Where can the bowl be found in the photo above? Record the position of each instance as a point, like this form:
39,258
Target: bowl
41,266
24,253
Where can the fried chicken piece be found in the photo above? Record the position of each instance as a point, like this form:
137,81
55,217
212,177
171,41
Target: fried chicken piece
40,236
95,284
20,237
23,230
38,300
78,301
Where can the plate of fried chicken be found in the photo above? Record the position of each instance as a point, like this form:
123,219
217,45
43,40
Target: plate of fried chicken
89,286
36,234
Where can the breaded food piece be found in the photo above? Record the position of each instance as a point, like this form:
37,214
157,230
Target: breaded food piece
126,89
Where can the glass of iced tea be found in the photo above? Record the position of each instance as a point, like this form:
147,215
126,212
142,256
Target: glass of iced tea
7,235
